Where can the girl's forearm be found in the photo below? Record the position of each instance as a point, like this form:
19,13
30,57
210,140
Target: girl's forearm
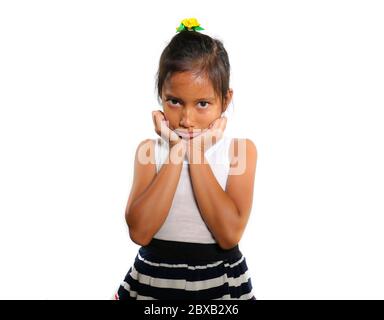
217,208
149,211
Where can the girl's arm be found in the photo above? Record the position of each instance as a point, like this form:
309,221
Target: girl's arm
152,195
226,213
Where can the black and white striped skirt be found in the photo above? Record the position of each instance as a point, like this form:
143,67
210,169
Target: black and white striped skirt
172,270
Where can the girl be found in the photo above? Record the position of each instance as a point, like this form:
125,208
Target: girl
192,189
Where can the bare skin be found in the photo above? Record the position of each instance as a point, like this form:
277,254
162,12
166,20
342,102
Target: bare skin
151,194
191,105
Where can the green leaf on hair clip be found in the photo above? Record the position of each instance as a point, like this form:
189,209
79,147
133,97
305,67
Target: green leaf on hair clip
180,28
198,28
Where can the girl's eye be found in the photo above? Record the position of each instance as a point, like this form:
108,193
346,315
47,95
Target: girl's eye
172,100
206,104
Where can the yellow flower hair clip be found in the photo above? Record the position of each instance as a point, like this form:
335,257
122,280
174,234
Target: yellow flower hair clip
190,24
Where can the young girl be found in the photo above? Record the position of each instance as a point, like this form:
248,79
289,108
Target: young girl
192,190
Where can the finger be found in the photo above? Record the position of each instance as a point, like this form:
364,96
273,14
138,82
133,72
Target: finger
159,124
208,138
167,131
217,124
160,114
223,123
154,118
214,124
164,127
219,129
160,117
155,114
173,136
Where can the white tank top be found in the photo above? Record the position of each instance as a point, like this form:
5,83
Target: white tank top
184,222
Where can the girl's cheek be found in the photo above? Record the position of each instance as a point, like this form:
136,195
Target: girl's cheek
170,124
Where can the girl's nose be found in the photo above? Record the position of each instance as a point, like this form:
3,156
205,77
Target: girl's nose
186,119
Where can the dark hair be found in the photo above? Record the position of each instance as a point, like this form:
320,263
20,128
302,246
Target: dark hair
197,52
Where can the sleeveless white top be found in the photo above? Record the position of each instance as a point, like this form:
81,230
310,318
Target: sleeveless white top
184,221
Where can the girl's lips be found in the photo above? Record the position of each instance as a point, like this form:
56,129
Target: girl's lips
187,135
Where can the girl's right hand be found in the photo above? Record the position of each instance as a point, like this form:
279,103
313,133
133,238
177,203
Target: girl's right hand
162,128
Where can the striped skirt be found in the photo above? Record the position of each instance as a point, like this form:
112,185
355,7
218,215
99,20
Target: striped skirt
172,270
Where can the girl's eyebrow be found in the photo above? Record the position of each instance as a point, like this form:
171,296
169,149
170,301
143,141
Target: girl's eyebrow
169,96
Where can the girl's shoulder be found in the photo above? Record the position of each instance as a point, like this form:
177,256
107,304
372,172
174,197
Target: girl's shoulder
145,151
238,141
241,151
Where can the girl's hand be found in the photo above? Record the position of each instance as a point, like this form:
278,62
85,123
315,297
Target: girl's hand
207,138
162,128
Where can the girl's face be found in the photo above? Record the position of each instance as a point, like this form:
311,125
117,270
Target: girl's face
190,103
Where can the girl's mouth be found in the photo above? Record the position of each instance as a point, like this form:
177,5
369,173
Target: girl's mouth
188,135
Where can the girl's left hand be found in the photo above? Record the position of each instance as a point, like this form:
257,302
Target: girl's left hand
208,138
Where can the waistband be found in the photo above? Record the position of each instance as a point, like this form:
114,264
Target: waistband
186,251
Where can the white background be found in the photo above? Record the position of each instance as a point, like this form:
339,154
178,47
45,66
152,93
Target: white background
77,87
